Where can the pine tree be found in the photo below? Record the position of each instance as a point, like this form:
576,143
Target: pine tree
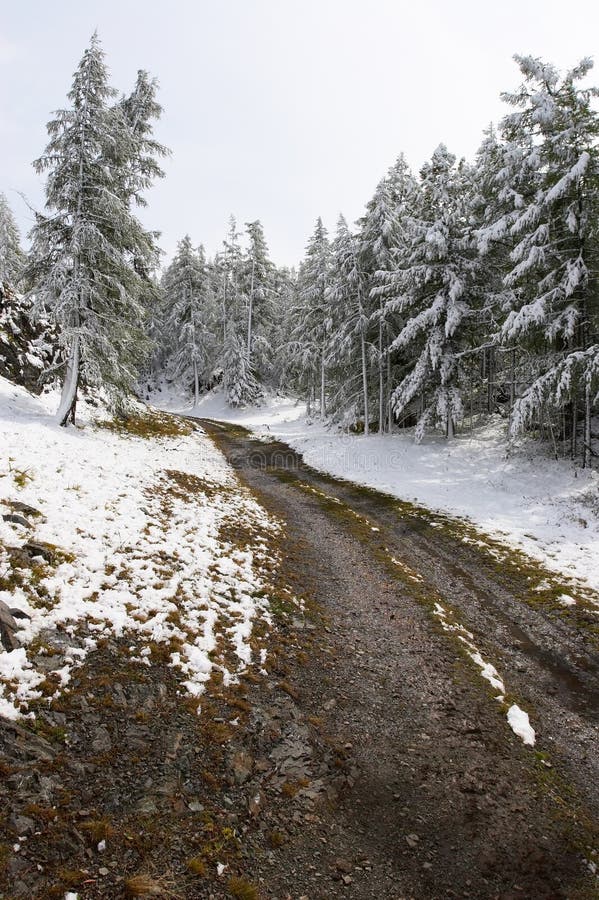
383,243
435,295
139,166
312,325
91,257
553,132
190,316
241,386
350,319
257,285
12,258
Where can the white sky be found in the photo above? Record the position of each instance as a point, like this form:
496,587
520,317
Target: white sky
281,110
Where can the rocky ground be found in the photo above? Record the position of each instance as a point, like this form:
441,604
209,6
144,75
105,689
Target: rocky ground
367,759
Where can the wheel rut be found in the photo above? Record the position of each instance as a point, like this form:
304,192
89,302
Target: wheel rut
446,792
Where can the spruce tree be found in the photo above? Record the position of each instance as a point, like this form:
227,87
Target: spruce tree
555,233
435,296
257,285
190,316
90,256
12,258
312,325
350,321
383,243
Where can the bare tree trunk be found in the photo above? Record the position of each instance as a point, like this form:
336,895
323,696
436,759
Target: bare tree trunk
381,376
471,402
388,393
323,406
364,383
196,384
588,450
68,397
490,369
513,381
574,436
450,427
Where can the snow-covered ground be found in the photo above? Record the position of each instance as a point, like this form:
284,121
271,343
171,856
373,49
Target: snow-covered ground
140,525
547,508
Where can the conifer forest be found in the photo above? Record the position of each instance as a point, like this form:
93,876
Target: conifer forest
466,289
299,557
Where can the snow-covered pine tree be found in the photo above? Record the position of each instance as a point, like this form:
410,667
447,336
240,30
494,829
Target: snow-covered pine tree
347,295
435,295
189,317
90,255
285,291
239,383
139,166
12,258
555,311
257,285
312,320
383,242
492,367
240,387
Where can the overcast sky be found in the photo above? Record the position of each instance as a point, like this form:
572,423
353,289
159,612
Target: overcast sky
281,110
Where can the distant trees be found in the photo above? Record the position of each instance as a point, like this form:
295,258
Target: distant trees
219,318
470,290
12,258
312,323
91,258
473,288
189,318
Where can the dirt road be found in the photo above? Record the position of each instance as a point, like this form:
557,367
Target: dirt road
435,755
366,757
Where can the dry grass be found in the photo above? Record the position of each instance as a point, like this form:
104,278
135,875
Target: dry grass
197,866
98,830
144,885
148,425
242,889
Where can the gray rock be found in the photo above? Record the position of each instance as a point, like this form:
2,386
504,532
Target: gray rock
26,510
22,824
17,519
242,764
101,742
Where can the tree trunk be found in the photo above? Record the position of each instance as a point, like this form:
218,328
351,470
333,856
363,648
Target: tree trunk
381,377
323,406
490,374
388,412
513,382
574,436
68,398
196,384
450,427
364,383
250,313
588,450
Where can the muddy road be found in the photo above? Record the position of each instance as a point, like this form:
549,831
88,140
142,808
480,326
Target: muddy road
446,798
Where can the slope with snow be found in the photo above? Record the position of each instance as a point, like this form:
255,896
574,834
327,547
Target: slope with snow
137,534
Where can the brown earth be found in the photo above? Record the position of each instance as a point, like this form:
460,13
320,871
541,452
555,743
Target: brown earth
367,760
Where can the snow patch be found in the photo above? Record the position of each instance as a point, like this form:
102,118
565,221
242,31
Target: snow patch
144,525
520,725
